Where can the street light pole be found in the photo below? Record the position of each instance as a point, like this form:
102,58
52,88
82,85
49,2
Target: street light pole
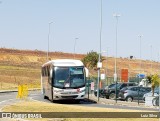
99,57
151,59
115,66
75,46
129,70
48,41
140,37
106,72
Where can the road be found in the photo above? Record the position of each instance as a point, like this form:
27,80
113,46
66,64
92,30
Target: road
8,98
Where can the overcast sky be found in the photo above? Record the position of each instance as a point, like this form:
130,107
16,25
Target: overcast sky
24,24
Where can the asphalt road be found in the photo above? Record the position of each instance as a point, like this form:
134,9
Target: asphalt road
7,98
10,97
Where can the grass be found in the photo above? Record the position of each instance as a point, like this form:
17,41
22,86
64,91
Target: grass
5,67
37,106
12,76
8,86
18,71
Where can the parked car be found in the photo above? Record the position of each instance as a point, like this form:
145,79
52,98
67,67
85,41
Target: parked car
156,93
103,91
131,93
110,91
88,83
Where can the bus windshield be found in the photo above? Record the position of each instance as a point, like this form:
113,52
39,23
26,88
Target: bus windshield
68,77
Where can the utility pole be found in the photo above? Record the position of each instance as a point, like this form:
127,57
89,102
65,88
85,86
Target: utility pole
99,64
48,41
115,65
75,46
140,37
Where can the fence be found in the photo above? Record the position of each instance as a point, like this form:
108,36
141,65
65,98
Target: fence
106,82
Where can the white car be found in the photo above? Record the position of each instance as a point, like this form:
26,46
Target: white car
156,93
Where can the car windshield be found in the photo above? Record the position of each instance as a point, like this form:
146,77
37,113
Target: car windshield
114,85
125,88
110,86
68,77
121,85
156,90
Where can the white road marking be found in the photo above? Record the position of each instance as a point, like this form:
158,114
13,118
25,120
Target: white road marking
7,95
34,94
6,100
34,99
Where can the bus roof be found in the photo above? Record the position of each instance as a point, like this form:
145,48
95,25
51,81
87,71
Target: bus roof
64,62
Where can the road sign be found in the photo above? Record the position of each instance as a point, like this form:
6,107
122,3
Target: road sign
99,65
92,85
124,75
102,76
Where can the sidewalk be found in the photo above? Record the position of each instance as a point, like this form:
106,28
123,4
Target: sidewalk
119,102
93,98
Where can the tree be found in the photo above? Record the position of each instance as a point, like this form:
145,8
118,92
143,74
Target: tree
91,59
155,80
149,78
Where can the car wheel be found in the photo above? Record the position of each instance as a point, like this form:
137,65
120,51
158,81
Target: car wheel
95,94
144,99
112,96
107,97
101,96
155,102
129,99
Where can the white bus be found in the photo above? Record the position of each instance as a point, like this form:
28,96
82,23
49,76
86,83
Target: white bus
63,79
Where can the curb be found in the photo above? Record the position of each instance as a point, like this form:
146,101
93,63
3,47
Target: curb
9,91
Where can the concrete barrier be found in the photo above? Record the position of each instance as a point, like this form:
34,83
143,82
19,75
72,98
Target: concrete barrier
22,91
148,100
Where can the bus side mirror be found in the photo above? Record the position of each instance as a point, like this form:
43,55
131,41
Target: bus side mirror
87,72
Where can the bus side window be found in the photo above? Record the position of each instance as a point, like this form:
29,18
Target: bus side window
48,74
43,71
46,71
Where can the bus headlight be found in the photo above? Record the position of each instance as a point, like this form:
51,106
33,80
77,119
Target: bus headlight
82,91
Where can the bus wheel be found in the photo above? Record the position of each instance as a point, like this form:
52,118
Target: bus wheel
77,101
54,101
45,97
